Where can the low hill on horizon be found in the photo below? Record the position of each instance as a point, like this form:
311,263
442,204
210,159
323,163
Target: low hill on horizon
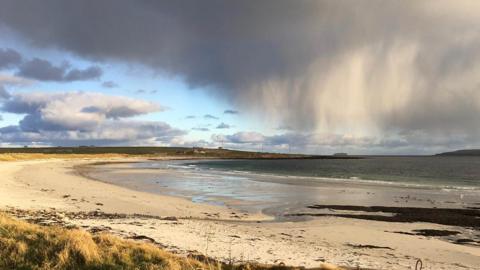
155,151
463,152
149,151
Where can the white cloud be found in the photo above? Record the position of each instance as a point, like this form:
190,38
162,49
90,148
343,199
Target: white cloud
82,117
10,80
73,110
240,138
111,132
328,143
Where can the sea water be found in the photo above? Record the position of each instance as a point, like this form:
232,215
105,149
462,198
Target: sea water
279,186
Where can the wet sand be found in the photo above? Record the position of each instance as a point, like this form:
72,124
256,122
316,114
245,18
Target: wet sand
54,189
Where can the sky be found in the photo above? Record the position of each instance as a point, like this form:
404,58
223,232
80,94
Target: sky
312,76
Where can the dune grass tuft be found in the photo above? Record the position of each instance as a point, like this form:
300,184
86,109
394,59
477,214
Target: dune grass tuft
29,246
33,247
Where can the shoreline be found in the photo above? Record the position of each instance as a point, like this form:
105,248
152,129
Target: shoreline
273,195
50,180
43,185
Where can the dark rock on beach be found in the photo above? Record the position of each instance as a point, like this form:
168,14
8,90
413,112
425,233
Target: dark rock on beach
445,216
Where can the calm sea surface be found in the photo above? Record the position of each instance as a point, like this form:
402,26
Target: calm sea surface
446,172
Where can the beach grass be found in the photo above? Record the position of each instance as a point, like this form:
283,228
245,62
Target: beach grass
34,247
29,246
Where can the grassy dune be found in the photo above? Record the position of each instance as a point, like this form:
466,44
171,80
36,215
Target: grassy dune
29,246
33,156
106,152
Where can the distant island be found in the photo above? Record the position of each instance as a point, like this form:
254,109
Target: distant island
465,152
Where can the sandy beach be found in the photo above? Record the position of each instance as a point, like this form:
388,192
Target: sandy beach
54,188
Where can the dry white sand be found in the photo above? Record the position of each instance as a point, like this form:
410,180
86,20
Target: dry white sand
47,184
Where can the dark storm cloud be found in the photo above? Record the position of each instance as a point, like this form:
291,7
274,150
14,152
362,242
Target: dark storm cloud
143,91
4,94
9,58
223,126
117,112
284,128
201,129
83,74
210,117
374,68
231,112
208,42
43,70
110,84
